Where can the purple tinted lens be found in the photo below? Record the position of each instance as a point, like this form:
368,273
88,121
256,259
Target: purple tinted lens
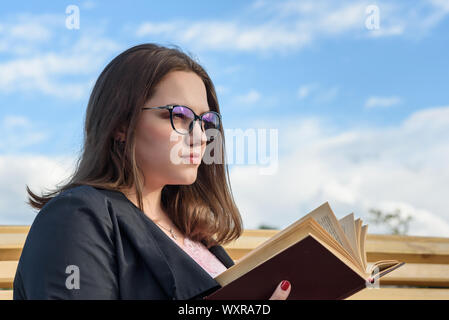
211,125
182,118
182,113
211,121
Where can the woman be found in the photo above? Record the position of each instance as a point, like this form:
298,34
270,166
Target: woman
135,222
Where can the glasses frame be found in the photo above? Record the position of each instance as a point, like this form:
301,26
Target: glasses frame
170,107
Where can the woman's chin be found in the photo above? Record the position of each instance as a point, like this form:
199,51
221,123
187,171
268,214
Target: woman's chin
188,177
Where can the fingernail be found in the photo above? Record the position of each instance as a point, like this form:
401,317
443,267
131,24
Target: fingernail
284,285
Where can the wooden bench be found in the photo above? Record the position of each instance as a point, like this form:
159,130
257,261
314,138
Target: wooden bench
424,276
12,239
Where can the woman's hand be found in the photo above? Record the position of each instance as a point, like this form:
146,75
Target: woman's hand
282,291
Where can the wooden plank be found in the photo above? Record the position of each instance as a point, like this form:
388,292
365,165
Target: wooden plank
7,273
367,294
409,249
6,294
414,274
12,240
247,241
14,229
10,254
401,294
419,275
11,245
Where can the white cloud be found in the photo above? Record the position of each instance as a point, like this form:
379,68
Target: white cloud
44,72
28,67
319,93
30,31
18,132
40,173
305,90
21,34
155,28
88,5
382,102
250,97
442,5
10,122
327,95
222,89
387,31
355,170
292,25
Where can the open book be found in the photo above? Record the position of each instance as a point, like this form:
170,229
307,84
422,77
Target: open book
322,257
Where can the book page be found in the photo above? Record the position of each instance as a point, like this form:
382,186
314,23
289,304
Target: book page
363,234
326,218
358,233
348,225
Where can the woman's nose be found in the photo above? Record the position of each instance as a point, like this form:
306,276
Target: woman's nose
198,136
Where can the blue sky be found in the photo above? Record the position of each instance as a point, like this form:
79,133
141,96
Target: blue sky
361,114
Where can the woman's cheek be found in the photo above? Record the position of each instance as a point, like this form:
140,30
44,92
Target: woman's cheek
150,149
176,149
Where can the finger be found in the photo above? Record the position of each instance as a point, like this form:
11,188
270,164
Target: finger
282,291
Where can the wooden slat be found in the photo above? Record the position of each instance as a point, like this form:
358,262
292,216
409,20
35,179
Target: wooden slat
6,294
414,274
401,294
11,245
14,229
409,249
7,273
12,240
409,274
367,294
247,241
379,247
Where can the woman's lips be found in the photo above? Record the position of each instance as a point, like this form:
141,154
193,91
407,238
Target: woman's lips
193,157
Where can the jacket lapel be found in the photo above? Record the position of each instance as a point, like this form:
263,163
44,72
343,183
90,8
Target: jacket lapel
190,278
181,277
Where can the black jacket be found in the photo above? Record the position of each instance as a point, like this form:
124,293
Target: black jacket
119,252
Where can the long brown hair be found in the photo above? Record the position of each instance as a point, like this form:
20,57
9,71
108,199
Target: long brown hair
203,211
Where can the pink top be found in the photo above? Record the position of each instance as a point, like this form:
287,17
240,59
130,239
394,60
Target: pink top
203,257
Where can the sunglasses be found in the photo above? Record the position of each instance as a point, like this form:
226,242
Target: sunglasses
183,119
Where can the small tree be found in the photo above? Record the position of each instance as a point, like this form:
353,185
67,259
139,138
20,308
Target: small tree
393,221
267,227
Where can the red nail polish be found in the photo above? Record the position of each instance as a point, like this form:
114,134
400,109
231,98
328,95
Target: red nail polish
284,285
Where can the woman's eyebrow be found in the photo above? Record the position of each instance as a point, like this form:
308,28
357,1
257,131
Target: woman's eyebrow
187,105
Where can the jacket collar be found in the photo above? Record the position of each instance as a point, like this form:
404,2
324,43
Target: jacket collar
180,276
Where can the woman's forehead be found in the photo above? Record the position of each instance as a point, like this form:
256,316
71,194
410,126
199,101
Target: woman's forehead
181,88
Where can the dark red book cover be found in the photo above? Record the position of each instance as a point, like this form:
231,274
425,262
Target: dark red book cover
313,271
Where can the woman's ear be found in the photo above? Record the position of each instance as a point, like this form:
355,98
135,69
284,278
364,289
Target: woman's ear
120,134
